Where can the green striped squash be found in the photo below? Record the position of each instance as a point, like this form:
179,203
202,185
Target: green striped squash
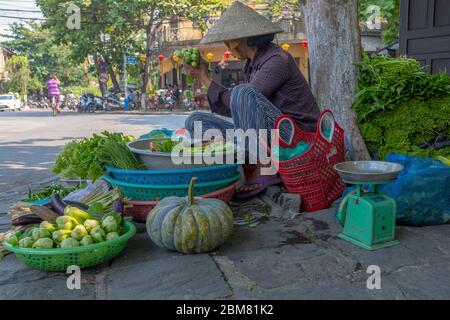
190,225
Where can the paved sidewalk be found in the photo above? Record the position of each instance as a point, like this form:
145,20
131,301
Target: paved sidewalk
298,258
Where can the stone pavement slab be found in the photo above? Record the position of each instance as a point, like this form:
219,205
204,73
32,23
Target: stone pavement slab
18,281
182,277
278,259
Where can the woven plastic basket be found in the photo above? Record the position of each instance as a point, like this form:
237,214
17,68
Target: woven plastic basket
174,177
145,192
59,259
311,175
139,210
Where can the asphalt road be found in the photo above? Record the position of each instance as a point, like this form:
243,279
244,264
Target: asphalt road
30,140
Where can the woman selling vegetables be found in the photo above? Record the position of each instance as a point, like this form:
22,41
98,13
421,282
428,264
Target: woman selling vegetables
274,84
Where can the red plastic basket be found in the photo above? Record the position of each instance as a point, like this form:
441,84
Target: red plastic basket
139,210
312,175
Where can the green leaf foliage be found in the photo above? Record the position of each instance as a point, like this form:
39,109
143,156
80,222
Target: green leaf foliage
410,124
385,82
86,158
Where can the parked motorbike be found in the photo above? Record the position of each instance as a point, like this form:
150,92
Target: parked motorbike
112,101
89,103
188,104
165,102
71,102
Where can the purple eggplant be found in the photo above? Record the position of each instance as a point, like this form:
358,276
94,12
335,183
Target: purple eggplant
117,206
26,220
57,204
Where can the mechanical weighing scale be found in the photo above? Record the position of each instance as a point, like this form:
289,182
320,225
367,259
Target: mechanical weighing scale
368,217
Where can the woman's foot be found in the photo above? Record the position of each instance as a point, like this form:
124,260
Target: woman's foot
256,183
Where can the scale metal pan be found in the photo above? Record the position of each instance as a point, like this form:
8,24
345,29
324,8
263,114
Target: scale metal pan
368,171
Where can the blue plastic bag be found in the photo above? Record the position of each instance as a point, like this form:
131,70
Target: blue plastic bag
421,191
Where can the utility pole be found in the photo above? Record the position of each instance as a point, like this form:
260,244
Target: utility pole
125,76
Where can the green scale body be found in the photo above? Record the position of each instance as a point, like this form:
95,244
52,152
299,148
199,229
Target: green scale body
368,219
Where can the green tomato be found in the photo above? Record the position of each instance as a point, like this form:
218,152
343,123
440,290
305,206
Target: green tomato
91,224
48,226
12,239
69,243
110,224
87,240
98,234
112,235
43,243
26,242
79,232
40,233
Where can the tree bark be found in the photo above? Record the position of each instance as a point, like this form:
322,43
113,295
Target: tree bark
113,77
149,41
334,47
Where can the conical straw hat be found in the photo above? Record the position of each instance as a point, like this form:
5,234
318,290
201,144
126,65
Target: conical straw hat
240,21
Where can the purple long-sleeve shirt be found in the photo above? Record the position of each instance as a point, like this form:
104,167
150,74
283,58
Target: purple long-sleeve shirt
275,74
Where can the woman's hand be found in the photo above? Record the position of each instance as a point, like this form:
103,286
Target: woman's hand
200,73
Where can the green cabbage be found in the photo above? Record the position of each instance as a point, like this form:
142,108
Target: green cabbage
87,240
69,243
26,242
112,235
98,234
91,224
48,226
79,232
40,233
43,243
110,224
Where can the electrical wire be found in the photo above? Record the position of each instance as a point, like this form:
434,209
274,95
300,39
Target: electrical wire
20,10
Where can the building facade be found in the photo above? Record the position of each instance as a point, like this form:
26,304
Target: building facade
177,33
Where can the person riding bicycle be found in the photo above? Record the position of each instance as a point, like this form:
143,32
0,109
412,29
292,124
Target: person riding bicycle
53,91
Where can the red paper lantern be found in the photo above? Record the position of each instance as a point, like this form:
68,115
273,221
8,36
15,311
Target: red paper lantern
161,58
227,55
304,43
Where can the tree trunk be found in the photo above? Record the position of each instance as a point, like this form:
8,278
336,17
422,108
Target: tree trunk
334,47
145,77
149,42
113,77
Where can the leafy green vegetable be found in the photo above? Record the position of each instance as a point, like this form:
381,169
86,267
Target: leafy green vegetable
48,191
84,159
411,124
117,155
385,82
166,145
